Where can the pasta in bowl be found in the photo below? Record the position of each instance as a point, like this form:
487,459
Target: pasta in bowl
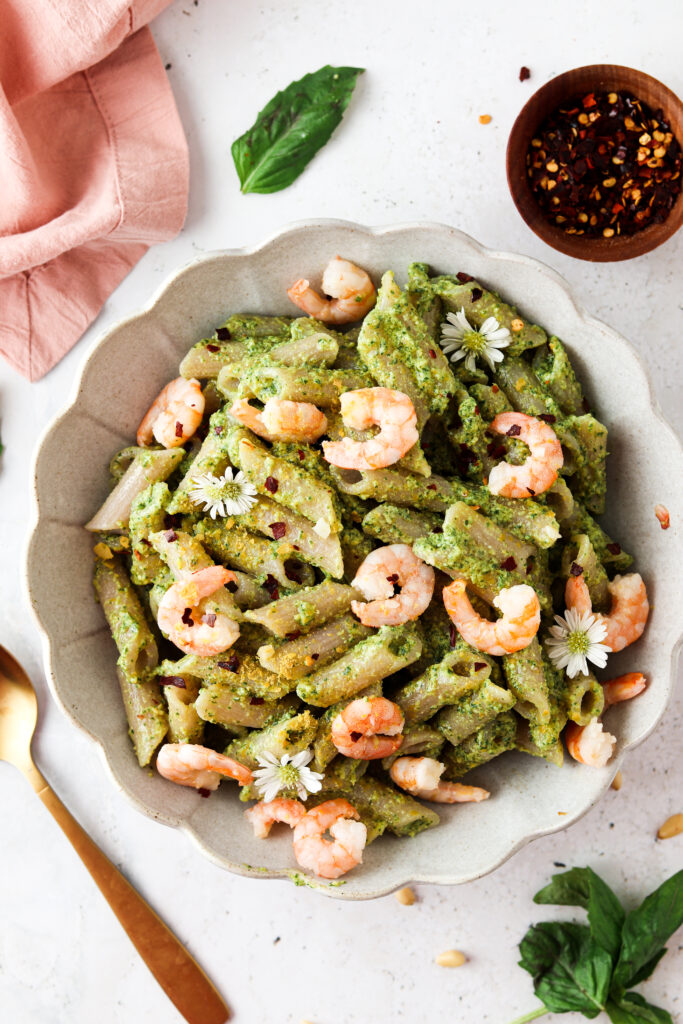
302,558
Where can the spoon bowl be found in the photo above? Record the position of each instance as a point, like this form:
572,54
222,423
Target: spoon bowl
181,978
18,713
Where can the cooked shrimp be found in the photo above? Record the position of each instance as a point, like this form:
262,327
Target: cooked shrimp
623,688
190,764
392,411
515,631
264,815
628,614
591,744
186,617
330,858
280,420
353,293
385,567
539,471
421,777
368,728
174,415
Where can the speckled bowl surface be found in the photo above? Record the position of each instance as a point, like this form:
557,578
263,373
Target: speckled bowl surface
127,368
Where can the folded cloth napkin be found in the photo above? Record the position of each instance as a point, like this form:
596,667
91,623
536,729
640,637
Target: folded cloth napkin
93,165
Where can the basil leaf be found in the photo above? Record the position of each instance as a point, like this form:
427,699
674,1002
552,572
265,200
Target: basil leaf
291,128
647,968
570,970
646,929
581,887
633,1009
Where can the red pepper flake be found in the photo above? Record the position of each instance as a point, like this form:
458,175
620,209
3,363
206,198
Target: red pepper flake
614,549
514,431
138,555
452,634
547,417
531,491
223,334
270,584
476,294
278,530
605,166
170,536
476,411
393,578
294,635
496,449
209,619
509,564
213,348
437,529
173,681
495,389
218,430
187,617
178,428
300,454
257,701
576,569
231,665
315,657
464,278
431,487
271,484
432,354
355,736
662,514
147,543
293,571
231,586
479,665
524,73
204,792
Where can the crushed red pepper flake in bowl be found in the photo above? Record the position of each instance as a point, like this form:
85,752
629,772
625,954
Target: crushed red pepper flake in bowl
604,164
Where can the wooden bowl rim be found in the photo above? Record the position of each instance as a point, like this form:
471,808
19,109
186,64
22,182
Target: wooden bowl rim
532,113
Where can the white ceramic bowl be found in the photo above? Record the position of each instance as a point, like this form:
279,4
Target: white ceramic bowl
126,369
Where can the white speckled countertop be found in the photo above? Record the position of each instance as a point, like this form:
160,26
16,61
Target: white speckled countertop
410,148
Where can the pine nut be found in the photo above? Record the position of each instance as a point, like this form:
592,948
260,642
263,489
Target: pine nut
485,119
451,958
673,826
405,896
617,780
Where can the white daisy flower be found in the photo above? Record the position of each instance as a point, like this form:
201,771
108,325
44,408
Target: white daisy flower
287,773
460,340
225,495
576,640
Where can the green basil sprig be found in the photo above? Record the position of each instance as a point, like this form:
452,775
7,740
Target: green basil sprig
588,968
291,128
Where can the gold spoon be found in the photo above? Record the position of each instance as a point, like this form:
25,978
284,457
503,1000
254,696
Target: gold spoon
181,978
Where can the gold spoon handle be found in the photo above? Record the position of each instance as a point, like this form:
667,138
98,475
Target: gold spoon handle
180,976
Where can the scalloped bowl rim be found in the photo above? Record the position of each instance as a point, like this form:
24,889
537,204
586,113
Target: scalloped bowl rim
414,874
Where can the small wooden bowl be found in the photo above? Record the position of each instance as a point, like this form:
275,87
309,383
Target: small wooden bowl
593,78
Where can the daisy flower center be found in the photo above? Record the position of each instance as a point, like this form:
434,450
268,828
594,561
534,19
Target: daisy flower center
578,642
288,775
223,490
474,342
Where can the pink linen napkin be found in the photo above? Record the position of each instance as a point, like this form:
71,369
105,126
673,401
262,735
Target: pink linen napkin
93,165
